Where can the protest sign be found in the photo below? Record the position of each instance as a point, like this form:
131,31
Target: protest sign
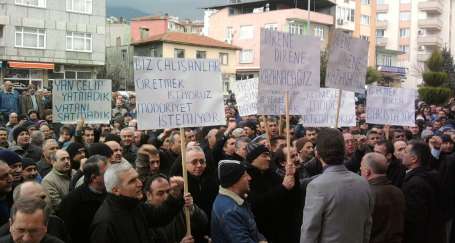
176,93
246,94
319,109
347,63
90,99
289,63
391,106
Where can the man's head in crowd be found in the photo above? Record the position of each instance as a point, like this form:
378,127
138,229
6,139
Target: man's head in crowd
250,129
29,215
48,134
31,189
122,180
385,148
229,146
8,86
127,135
31,89
61,161
175,142
119,102
398,134
277,142
195,161
94,169
234,177
447,144
21,136
436,125
273,126
65,134
211,137
373,165
33,115
330,147
305,149
138,137
190,135
77,152
294,156
415,130
115,153
416,154
14,161
49,147
372,138
157,189
379,131
153,162
399,147
88,136
3,136
13,119
349,143
258,156
6,178
311,133
29,170
37,138
240,146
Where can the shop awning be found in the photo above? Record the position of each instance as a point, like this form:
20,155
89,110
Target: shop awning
34,65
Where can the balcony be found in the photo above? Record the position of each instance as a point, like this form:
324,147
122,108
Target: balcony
382,8
423,57
430,40
431,6
430,23
381,41
382,24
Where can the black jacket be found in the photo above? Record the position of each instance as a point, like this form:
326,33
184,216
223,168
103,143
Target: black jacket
396,172
125,220
77,210
278,211
425,213
47,239
55,228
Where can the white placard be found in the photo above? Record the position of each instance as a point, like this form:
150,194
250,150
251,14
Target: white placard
177,92
319,109
391,106
290,63
246,94
90,99
347,64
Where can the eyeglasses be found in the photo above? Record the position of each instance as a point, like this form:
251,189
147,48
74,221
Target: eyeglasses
196,161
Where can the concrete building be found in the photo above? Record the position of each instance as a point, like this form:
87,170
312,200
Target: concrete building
387,65
239,23
359,18
43,40
416,28
148,26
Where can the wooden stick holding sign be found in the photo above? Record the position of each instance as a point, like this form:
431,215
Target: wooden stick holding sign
288,136
185,179
340,94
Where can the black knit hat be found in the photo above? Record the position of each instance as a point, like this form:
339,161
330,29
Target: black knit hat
26,162
230,171
254,150
10,157
17,131
99,148
74,148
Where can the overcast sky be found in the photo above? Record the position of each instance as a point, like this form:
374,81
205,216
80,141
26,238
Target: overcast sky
181,8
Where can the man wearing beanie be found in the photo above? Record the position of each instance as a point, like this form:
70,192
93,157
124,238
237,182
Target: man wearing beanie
14,162
22,144
232,220
30,171
275,201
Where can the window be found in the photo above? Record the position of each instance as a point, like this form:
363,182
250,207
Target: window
154,52
201,54
30,37
381,16
77,41
229,34
405,16
380,33
246,32
179,53
387,60
84,75
404,32
271,26
79,6
78,75
224,58
32,3
364,37
246,56
404,48
144,33
319,32
365,20
297,28
124,55
421,32
366,2
345,14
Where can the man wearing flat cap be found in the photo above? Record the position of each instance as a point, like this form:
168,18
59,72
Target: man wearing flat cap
232,220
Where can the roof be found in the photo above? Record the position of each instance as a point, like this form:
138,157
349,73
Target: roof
186,39
150,18
320,4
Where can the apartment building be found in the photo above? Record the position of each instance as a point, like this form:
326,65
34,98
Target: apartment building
416,28
43,40
239,23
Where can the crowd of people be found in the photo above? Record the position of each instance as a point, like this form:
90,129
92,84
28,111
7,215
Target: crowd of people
115,183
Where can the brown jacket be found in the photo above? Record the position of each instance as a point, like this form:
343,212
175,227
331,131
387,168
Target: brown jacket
388,214
27,105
